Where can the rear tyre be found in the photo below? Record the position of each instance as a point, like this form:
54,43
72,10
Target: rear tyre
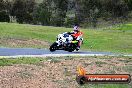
53,47
71,47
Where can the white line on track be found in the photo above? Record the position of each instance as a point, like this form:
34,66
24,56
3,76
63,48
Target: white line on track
59,55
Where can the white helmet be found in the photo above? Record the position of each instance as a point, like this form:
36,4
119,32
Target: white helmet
75,28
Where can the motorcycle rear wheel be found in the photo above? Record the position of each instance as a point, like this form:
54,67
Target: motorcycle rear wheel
71,48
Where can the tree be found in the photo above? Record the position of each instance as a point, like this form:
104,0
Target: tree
87,11
2,5
61,9
42,14
91,10
18,10
51,12
30,6
23,10
4,17
129,4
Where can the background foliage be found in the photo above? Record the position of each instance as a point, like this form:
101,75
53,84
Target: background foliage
66,12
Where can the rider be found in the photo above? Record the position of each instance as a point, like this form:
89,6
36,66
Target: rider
77,35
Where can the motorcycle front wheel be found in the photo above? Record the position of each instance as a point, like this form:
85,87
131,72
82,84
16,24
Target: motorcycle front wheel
53,47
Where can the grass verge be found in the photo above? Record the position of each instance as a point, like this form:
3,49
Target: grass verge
11,61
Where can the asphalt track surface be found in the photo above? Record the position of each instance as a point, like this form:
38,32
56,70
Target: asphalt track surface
31,52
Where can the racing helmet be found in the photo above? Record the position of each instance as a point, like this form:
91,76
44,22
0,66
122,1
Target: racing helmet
76,27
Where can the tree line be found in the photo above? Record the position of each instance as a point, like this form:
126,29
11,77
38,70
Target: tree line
64,12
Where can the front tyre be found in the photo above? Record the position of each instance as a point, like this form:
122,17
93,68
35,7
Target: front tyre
53,47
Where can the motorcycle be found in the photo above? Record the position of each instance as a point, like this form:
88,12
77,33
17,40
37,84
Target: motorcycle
65,41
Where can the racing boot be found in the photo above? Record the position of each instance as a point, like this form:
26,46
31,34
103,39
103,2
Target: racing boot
77,48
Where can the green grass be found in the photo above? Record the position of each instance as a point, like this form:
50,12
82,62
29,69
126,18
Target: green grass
118,40
20,31
11,61
124,27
